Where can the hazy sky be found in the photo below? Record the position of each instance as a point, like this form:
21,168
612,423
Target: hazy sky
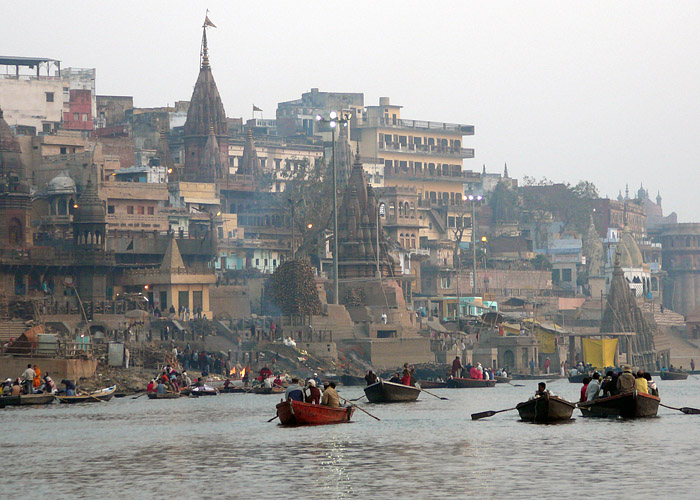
602,91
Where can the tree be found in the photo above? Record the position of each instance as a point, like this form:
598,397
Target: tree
292,288
504,203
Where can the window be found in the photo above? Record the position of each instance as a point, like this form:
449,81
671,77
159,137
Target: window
49,96
140,210
85,117
150,210
130,210
257,262
76,117
566,275
64,150
110,209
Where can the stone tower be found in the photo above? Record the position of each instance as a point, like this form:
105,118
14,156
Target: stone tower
89,244
250,163
15,198
206,112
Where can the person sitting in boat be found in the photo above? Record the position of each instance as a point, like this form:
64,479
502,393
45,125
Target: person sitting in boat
330,395
584,389
265,372
626,381
593,388
314,395
294,391
151,387
412,376
608,386
651,385
542,390
17,388
371,378
49,385
395,379
406,376
161,388
199,382
7,387
640,383
70,387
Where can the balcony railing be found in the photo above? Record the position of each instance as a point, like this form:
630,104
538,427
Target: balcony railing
426,149
418,124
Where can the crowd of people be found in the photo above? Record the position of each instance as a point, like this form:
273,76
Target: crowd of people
474,372
613,383
29,382
310,393
170,381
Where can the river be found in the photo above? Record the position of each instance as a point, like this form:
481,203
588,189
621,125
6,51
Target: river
222,447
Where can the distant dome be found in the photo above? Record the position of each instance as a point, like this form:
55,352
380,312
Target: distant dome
61,184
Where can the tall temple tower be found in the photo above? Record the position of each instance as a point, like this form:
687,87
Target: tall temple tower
205,114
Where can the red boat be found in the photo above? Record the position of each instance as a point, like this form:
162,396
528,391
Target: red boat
297,413
468,383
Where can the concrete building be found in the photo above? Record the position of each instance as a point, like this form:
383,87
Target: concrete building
681,260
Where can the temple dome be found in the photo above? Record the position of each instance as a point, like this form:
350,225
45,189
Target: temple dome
61,184
630,255
90,207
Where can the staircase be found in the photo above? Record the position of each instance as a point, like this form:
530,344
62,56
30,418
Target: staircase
667,318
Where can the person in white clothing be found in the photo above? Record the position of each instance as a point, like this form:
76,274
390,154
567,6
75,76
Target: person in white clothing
593,387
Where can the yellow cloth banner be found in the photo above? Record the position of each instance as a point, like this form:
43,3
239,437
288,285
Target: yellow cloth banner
546,340
599,352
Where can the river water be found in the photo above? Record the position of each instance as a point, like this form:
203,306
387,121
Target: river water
222,447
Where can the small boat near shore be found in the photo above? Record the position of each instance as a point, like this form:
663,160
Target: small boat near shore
628,405
26,399
297,413
545,409
268,390
469,383
503,380
673,376
390,392
167,395
101,395
539,376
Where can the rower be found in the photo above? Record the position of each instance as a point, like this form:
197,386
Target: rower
371,378
625,382
542,390
70,387
314,396
330,396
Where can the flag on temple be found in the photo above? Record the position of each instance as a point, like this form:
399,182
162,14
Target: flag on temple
255,108
207,22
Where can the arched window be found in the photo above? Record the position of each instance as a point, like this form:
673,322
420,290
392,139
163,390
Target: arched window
392,210
15,232
400,210
405,209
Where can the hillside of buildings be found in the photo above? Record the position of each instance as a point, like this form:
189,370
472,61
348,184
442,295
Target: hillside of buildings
113,215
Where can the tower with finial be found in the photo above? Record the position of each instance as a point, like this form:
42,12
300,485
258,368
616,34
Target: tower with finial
483,169
658,198
627,191
206,112
505,171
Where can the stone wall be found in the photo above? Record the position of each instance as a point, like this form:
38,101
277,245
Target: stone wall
392,353
229,301
73,369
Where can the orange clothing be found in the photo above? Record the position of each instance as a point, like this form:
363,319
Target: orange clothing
37,377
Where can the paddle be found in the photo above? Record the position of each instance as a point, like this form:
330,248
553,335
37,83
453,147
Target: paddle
136,397
273,418
687,410
490,413
362,410
514,385
434,395
90,395
357,399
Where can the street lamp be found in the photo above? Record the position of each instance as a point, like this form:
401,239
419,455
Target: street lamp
474,199
333,121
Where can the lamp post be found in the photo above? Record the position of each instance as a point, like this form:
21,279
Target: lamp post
473,199
333,120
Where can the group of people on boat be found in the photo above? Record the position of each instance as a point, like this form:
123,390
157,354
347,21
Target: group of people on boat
475,372
312,394
29,382
613,383
169,380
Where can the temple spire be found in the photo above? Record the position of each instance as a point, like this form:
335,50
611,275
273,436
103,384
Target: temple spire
204,62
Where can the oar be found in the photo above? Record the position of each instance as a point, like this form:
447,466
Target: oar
357,399
362,410
93,397
490,413
136,397
515,385
687,410
273,418
434,395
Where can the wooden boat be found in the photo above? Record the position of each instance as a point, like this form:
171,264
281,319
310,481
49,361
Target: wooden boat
9,401
628,405
268,390
503,380
431,384
167,395
351,380
545,409
389,392
577,379
469,383
36,399
539,376
297,413
101,395
232,389
673,376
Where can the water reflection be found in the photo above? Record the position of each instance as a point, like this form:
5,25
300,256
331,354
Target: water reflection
223,447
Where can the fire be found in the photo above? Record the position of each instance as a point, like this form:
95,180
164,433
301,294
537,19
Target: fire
233,371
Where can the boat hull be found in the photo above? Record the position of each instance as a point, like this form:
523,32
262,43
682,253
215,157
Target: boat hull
167,395
297,413
469,383
9,401
545,410
102,395
673,376
577,379
36,399
389,392
628,405
268,390
431,384
503,380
